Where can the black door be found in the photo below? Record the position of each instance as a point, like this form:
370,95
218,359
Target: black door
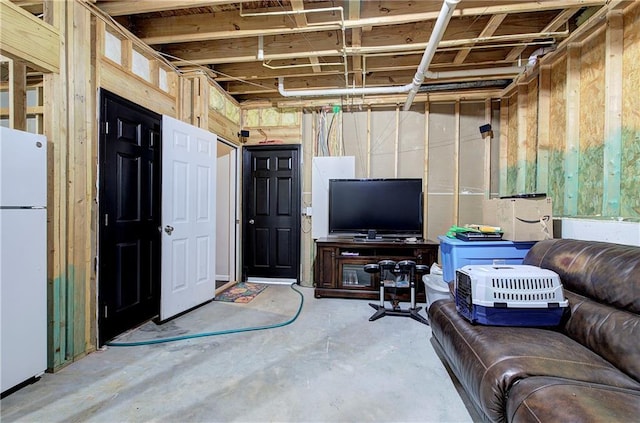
271,211
129,190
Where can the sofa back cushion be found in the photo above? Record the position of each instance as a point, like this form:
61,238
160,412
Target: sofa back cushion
602,283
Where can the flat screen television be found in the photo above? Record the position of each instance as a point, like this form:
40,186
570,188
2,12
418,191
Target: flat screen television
375,208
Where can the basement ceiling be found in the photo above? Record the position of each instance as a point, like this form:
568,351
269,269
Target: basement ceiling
323,45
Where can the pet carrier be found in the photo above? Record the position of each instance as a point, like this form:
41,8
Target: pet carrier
509,295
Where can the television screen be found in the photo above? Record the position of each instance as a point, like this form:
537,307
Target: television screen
390,207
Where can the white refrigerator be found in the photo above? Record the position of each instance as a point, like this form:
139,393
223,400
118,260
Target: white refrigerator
23,256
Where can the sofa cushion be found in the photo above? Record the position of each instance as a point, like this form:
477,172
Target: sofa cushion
489,359
602,283
605,272
545,399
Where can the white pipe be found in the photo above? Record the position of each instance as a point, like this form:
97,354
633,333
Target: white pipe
304,12
341,91
448,7
436,35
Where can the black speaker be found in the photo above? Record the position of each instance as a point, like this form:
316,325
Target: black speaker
243,134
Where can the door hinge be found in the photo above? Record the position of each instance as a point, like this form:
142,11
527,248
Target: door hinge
106,311
105,127
106,219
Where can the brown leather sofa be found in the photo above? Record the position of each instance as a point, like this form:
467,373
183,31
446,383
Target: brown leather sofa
585,370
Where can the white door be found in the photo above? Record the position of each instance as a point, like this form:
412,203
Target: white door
188,217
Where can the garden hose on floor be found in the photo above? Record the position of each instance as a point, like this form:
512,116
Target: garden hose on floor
215,333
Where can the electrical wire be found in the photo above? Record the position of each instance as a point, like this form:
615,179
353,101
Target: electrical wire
215,333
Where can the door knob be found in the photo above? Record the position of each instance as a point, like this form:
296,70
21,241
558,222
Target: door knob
251,221
168,229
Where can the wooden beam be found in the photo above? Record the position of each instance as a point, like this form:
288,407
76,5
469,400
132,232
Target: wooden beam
123,7
521,143
560,19
288,47
27,38
356,42
18,95
179,29
488,30
613,114
300,18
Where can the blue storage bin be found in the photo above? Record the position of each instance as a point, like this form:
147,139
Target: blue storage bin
457,253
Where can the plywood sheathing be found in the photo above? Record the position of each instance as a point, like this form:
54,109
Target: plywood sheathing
573,131
630,160
591,123
557,134
512,146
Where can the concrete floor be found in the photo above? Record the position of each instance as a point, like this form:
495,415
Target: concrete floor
330,365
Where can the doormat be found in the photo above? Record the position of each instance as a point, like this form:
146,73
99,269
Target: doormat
243,292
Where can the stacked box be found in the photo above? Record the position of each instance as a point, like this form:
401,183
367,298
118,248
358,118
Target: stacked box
521,219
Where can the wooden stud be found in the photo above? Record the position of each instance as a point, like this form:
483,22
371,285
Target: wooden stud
487,150
396,143
573,130
613,114
504,143
425,178
456,166
543,126
369,142
18,95
521,141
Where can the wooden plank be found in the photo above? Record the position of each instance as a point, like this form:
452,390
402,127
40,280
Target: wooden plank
18,95
488,30
425,176
368,142
488,114
573,131
27,38
504,144
55,110
117,80
179,29
543,127
456,166
614,46
396,143
554,25
223,127
119,8
521,142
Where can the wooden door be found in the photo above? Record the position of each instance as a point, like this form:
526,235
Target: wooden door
129,195
271,212
188,217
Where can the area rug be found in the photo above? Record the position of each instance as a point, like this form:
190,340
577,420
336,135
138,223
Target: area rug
243,292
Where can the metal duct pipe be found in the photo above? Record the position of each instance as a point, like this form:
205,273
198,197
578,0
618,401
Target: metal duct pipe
448,7
507,70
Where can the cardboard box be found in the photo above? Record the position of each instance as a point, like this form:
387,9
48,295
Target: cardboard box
521,219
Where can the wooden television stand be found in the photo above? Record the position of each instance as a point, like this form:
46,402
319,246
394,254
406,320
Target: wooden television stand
339,265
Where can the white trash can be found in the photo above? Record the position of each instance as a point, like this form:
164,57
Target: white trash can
435,288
